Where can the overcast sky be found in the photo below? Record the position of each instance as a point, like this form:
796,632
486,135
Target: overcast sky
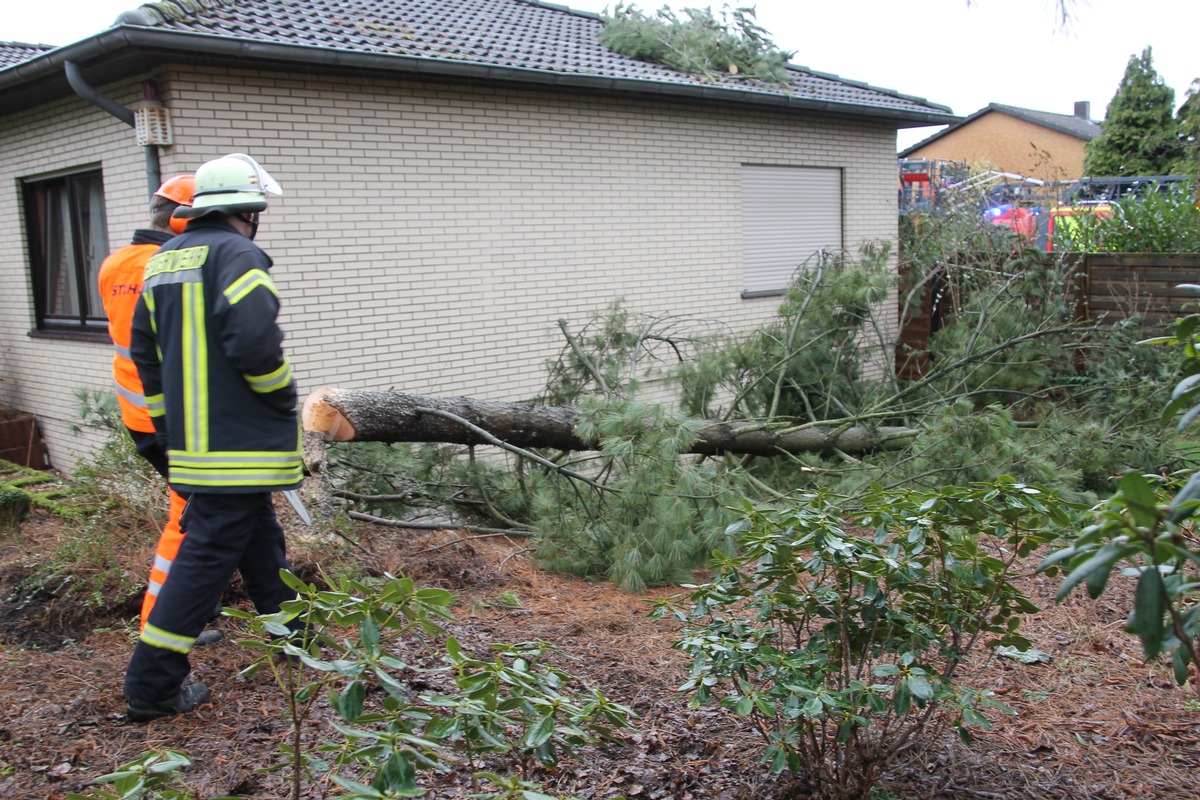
953,52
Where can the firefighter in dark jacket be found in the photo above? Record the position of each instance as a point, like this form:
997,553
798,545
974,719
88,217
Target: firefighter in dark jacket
120,282
220,392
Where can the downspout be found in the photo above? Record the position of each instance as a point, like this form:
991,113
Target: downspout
93,96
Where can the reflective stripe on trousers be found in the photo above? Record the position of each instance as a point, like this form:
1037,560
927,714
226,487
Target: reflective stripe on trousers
164,556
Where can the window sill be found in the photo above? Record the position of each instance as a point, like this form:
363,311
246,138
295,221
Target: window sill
81,335
764,293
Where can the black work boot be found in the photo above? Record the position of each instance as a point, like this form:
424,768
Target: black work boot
207,637
188,699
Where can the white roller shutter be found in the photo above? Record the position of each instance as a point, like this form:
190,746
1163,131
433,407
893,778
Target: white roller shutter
788,214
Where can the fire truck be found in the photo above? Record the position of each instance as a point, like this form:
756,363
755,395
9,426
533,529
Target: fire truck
1085,200
926,183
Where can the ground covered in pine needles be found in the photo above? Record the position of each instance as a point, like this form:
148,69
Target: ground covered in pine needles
1094,722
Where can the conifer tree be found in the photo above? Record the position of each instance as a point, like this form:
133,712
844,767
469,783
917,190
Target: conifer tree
1186,159
1137,135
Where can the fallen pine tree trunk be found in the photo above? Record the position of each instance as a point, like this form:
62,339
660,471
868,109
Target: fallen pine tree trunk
364,415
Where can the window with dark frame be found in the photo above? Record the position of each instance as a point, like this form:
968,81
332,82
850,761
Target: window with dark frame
68,238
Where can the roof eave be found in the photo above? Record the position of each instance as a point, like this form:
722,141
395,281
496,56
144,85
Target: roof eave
126,49
954,125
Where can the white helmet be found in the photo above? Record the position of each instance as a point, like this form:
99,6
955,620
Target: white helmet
231,184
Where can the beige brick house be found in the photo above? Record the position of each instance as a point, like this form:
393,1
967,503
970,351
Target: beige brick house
1036,144
458,176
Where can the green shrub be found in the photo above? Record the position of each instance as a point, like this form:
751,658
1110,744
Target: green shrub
1143,526
154,774
1155,222
839,630
516,703
1165,221
115,469
14,508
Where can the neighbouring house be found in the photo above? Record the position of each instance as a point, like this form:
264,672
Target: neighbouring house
458,174
1035,144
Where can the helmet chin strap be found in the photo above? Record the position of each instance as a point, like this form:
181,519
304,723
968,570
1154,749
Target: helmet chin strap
250,219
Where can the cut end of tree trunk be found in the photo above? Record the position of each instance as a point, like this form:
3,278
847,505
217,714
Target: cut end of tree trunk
318,416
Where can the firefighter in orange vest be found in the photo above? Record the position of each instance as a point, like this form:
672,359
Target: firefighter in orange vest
120,284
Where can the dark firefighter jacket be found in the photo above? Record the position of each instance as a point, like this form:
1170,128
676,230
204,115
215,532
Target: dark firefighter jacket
218,386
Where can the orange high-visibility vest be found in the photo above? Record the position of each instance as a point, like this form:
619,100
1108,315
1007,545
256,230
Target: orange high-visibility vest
120,284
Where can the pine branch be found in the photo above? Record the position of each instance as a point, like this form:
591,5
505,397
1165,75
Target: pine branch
433,526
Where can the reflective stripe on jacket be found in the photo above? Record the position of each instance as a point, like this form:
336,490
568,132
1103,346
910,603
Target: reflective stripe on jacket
218,386
120,284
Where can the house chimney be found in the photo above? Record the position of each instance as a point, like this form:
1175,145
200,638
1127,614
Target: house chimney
1083,109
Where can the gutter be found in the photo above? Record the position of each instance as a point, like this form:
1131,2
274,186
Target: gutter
93,96
155,45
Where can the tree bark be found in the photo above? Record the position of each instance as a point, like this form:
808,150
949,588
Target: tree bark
364,415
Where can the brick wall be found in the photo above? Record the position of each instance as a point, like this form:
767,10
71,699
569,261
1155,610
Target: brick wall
41,375
431,236
1009,144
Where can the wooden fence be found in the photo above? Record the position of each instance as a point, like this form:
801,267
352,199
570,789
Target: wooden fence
1108,287
1116,286
21,441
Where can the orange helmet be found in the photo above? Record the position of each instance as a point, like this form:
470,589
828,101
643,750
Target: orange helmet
178,190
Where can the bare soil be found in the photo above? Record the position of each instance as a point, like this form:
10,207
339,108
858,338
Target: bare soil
1095,722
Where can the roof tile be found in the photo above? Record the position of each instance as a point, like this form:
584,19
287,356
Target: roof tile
12,53
522,34
1063,123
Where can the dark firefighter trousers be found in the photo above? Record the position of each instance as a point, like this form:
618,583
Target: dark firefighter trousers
225,532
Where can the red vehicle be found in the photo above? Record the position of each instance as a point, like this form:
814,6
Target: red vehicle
1022,221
